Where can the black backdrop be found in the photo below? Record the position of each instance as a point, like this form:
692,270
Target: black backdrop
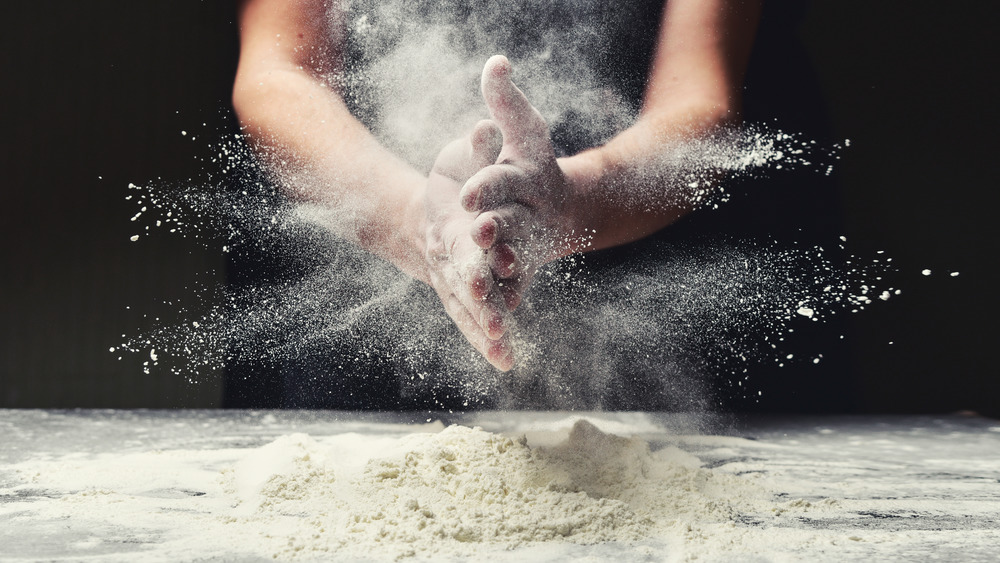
95,95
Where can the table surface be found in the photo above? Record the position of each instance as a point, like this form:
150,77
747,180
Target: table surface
909,488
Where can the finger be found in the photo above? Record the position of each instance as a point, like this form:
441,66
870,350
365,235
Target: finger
486,141
502,224
493,318
484,300
453,161
498,352
492,187
512,298
504,263
512,291
524,129
477,282
486,229
462,158
475,290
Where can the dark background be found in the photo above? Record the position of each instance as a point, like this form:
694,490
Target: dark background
95,95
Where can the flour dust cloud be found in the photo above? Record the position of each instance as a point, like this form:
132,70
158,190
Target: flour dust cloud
665,329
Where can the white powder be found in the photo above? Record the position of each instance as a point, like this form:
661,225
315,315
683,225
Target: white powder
462,489
191,490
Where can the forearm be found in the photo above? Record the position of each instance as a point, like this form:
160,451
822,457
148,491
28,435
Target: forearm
629,188
316,150
638,182
702,54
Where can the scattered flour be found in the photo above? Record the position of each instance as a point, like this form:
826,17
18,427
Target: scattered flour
258,487
412,76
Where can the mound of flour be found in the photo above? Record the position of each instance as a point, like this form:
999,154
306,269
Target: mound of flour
461,489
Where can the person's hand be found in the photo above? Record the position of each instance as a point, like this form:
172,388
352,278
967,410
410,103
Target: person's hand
522,200
458,269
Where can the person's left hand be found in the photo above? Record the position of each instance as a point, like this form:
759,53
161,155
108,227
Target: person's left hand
527,213
458,268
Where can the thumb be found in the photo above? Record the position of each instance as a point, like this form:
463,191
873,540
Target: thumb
523,128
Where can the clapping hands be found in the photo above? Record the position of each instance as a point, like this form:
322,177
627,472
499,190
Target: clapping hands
498,207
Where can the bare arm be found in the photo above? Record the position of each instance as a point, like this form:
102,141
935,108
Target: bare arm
613,194
288,103
694,86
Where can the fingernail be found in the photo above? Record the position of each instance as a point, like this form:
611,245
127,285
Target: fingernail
486,235
503,355
506,255
485,319
508,360
497,325
469,200
512,300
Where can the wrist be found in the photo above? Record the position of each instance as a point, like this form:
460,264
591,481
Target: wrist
394,227
689,116
583,173
413,235
410,232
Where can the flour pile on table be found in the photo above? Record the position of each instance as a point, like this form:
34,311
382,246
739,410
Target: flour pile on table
463,489
245,486
153,487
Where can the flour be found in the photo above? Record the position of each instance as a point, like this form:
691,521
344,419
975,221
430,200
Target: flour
169,487
457,491
638,336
